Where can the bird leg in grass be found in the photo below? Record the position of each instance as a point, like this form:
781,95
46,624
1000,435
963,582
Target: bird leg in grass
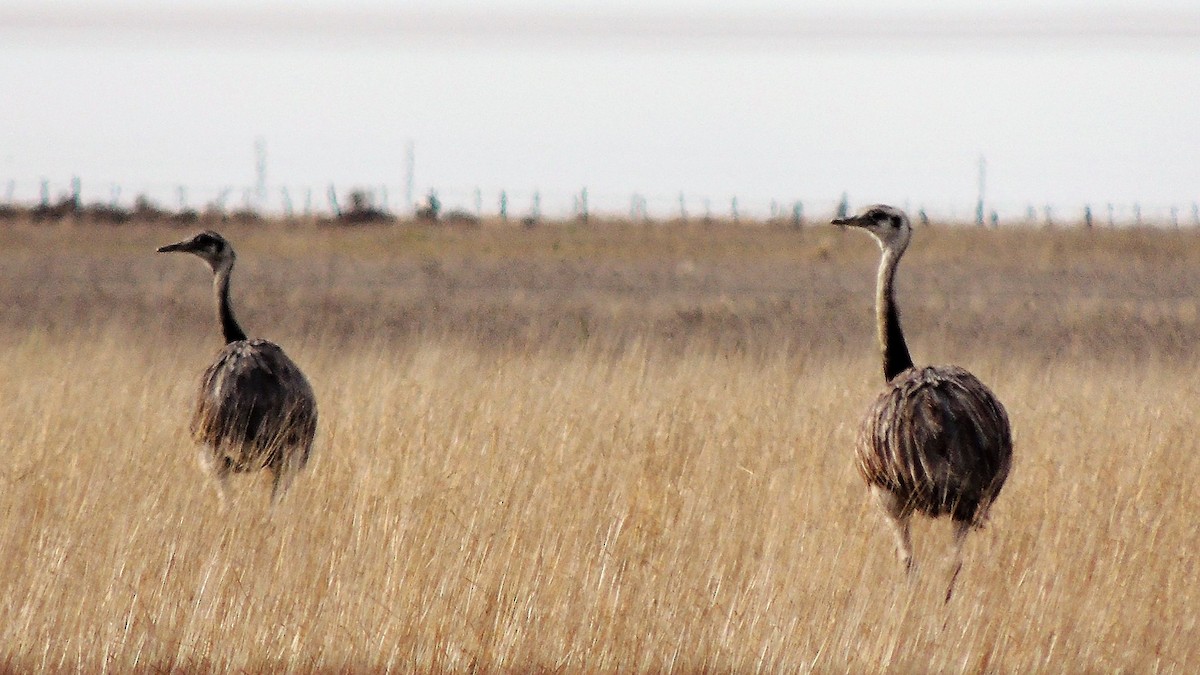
961,527
898,518
219,469
282,474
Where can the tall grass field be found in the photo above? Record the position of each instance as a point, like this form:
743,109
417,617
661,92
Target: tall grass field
594,448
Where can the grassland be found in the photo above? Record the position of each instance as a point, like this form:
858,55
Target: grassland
617,448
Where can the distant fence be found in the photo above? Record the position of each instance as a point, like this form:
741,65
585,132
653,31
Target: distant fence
109,202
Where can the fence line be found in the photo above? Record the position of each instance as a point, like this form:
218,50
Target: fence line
332,200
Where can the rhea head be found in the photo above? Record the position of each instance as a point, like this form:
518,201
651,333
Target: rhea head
208,245
887,224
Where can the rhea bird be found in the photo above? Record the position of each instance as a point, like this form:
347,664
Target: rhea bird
254,409
936,440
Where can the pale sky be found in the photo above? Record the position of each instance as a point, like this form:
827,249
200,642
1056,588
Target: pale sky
1082,102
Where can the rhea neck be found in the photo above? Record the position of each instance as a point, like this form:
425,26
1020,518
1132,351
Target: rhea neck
230,329
896,358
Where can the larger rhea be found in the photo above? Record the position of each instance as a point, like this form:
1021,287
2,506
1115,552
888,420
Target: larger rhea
255,409
936,441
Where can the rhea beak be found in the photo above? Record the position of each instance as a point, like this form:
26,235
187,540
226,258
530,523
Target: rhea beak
169,248
851,221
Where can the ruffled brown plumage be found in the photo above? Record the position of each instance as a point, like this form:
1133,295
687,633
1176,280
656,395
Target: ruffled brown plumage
939,439
254,405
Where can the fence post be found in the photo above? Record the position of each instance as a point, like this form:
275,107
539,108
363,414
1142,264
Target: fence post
503,206
433,206
733,208
637,208
1087,216
76,193
333,202
982,186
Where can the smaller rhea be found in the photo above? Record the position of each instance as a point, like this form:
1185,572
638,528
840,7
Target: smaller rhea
936,441
255,409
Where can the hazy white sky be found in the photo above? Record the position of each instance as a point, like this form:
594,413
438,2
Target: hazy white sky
1084,103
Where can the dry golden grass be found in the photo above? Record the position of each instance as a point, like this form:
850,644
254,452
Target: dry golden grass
579,449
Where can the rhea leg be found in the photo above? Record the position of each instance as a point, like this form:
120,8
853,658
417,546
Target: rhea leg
218,468
283,471
281,479
961,528
898,518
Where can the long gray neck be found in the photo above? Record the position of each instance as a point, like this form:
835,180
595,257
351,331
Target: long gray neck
229,325
896,358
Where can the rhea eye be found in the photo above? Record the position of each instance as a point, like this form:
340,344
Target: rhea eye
895,221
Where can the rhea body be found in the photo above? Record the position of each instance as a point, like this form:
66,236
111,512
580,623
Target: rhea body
936,441
254,409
